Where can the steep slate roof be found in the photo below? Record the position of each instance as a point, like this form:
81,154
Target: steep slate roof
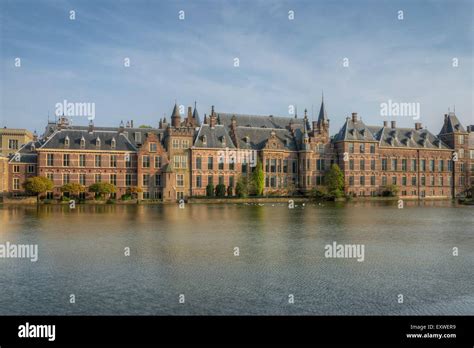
354,131
451,124
259,121
258,138
387,136
323,116
214,137
128,132
57,140
27,153
407,137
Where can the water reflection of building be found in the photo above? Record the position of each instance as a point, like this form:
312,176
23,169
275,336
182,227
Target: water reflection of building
178,159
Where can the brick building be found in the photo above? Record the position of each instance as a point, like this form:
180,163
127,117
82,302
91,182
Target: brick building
179,159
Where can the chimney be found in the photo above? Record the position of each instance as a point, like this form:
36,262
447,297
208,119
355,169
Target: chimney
418,126
131,123
35,136
190,113
91,127
394,124
121,128
354,117
385,123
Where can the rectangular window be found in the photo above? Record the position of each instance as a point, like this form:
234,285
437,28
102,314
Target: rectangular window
273,165
362,148
12,144
179,180
66,178
82,160
175,143
210,180
351,147
50,159
404,181
16,169
145,161
30,169
440,181
294,166
145,179
351,164
394,164
113,161
362,180
285,166
351,181
372,164
50,176
372,180
394,180
157,161
98,160
384,181
66,160
413,180
413,165
441,165
362,164
153,147
423,181
128,160
210,163
113,179
432,165
16,183
372,148
98,178
158,180
231,181
128,179
432,180
232,164
221,180
423,165
404,164
198,162
384,164
185,144
221,163
198,181
450,165
184,162
82,179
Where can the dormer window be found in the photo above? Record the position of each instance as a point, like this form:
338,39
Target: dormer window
204,139
66,141
97,142
83,142
223,140
247,139
113,143
33,147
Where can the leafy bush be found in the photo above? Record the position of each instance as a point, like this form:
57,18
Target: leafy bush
220,190
230,190
241,189
210,190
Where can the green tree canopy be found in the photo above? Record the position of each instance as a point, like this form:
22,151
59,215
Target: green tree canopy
334,180
37,185
73,188
258,179
102,188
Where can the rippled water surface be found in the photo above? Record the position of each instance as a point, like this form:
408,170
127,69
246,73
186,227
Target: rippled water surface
190,251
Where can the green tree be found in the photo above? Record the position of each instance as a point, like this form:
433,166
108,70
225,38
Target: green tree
73,188
230,190
220,190
210,190
241,188
38,185
258,179
133,191
144,126
102,188
334,180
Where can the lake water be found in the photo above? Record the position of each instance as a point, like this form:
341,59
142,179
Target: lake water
190,251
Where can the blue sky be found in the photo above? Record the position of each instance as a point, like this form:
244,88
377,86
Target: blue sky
282,62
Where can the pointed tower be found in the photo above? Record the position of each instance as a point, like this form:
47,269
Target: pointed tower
196,119
175,117
321,126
